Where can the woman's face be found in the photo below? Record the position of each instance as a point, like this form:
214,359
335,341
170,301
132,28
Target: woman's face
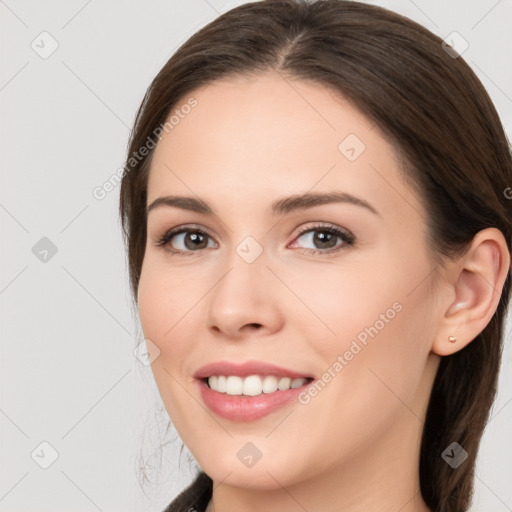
336,291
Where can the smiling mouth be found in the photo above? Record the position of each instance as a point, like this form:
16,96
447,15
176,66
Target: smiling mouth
253,385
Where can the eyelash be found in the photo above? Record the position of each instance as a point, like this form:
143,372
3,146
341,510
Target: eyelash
346,236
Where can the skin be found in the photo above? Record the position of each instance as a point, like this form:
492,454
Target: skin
355,446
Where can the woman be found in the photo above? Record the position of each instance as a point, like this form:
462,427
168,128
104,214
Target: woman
318,232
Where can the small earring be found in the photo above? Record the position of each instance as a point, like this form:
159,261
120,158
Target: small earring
453,339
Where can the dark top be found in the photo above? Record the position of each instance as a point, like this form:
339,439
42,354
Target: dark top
195,497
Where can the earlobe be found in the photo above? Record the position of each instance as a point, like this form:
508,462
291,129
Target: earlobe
478,279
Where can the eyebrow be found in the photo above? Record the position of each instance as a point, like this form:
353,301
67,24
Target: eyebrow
279,207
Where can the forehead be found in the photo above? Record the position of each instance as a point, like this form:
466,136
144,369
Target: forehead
267,110
256,137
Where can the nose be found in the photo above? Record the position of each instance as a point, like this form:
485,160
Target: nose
244,301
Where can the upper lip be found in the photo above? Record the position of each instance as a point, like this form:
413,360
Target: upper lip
247,368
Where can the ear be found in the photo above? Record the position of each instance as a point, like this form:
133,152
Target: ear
475,284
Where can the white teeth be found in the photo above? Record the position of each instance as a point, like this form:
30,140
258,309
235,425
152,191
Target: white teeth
284,383
252,385
269,384
297,383
234,385
221,383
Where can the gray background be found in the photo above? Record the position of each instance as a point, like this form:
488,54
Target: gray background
69,374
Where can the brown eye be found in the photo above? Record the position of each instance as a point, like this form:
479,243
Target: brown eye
184,240
326,238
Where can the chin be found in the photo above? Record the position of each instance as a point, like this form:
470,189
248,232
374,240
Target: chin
260,476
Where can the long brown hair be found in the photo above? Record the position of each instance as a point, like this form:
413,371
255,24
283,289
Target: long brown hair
441,121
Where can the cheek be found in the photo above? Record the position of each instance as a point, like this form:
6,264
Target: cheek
166,296
345,301
161,311
368,385
169,304
375,291
381,323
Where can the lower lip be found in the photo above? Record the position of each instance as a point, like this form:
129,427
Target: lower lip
244,408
